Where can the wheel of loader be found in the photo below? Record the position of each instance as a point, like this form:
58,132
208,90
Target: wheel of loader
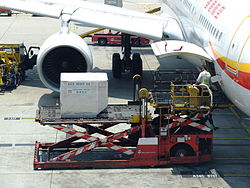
181,150
14,81
17,80
136,64
102,41
116,65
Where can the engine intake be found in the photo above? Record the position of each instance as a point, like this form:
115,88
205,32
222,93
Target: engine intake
62,52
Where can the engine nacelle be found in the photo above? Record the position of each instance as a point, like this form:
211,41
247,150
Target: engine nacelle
62,52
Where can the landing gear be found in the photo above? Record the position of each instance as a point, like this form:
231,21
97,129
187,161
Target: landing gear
136,64
117,65
133,65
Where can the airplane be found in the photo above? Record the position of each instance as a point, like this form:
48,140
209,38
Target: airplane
212,32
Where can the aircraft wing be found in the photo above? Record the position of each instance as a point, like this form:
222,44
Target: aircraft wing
95,14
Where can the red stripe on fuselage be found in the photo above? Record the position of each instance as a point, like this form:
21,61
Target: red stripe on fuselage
243,78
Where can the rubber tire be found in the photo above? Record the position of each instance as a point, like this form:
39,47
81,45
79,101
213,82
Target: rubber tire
17,80
181,151
136,64
116,65
102,42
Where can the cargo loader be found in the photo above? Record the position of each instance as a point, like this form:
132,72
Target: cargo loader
15,59
157,128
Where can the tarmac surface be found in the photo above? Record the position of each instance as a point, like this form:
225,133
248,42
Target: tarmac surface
230,166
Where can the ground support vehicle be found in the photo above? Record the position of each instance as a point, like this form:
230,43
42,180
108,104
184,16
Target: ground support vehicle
116,38
15,59
175,133
5,11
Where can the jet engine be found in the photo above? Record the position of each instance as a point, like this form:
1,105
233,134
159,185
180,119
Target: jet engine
62,52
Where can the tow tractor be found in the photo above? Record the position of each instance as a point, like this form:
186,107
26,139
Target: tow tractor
8,12
15,59
116,38
170,130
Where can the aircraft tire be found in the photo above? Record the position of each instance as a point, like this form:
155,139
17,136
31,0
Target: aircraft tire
136,64
116,65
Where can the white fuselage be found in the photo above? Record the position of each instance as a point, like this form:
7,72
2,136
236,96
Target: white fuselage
222,28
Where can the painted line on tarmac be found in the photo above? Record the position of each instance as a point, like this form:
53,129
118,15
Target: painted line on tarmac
236,175
15,145
28,118
35,79
5,145
231,145
222,138
242,122
24,144
232,158
225,127
17,118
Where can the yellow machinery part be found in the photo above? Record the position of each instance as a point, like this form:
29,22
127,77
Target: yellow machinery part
143,93
9,61
154,10
190,97
136,118
194,99
91,32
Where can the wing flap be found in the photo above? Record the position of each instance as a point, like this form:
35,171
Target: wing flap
174,47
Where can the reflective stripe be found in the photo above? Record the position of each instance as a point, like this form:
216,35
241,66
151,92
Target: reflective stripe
129,152
66,156
96,142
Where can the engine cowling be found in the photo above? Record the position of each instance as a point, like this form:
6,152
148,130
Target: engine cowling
62,52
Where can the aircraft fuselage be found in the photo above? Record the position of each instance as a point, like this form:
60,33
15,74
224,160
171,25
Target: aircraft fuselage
222,28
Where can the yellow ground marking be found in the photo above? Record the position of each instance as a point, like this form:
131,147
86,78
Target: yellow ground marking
222,138
236,175
232,158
